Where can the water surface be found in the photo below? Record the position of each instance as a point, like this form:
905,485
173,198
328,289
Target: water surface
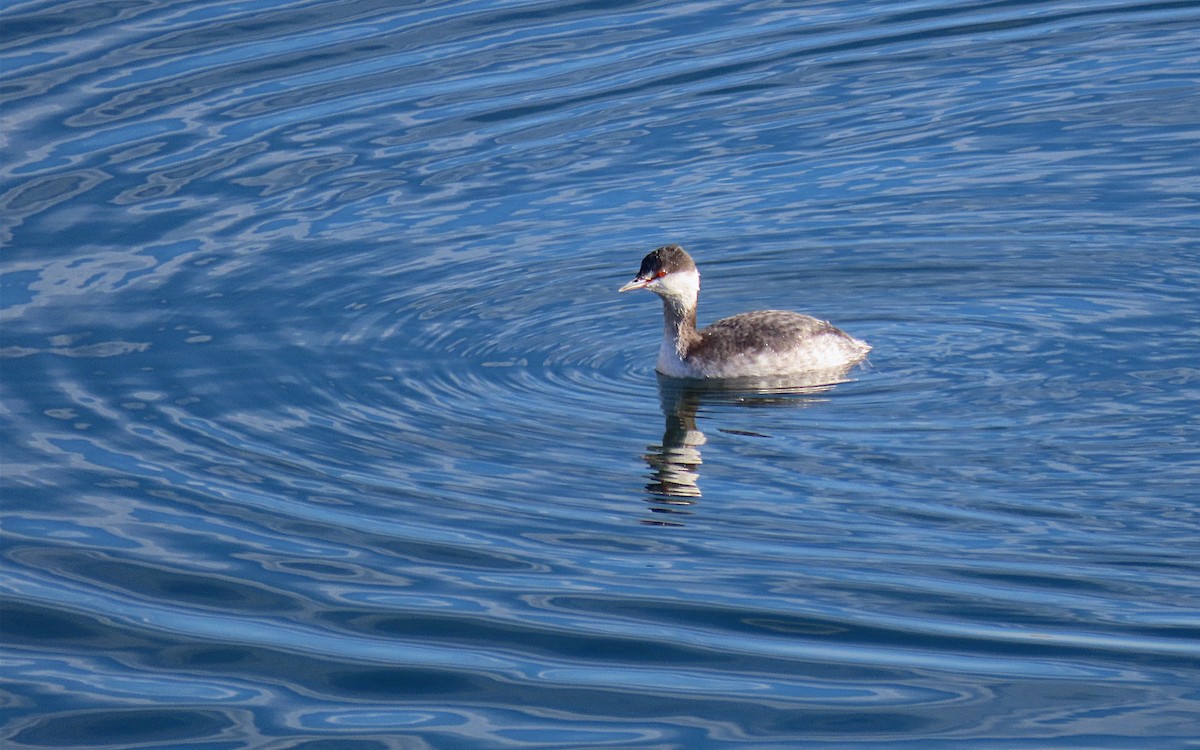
324,422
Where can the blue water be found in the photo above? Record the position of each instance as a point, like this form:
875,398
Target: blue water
324,425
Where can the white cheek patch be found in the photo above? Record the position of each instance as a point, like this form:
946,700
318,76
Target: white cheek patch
679,284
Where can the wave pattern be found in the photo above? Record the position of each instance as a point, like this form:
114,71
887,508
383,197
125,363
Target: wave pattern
324,422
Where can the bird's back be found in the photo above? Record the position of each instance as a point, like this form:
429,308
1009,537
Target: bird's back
771,342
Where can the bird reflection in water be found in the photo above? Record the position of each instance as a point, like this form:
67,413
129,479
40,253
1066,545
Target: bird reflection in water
674,483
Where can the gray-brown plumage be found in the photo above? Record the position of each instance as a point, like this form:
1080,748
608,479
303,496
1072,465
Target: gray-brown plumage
753,344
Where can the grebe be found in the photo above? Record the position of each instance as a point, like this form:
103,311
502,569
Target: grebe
753,344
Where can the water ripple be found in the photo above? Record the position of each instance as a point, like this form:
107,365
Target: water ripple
327,424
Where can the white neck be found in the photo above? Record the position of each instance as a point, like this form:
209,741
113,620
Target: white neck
679,292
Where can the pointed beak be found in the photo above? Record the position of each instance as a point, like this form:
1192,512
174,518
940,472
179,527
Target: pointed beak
638,283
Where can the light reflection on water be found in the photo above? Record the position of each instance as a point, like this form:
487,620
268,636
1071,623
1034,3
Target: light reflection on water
675,464
323,421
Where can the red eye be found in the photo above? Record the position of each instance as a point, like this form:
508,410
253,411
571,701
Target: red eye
660,274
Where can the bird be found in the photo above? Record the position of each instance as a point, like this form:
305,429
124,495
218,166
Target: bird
753,344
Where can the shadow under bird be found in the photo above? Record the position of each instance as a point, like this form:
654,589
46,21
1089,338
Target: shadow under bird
754,344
